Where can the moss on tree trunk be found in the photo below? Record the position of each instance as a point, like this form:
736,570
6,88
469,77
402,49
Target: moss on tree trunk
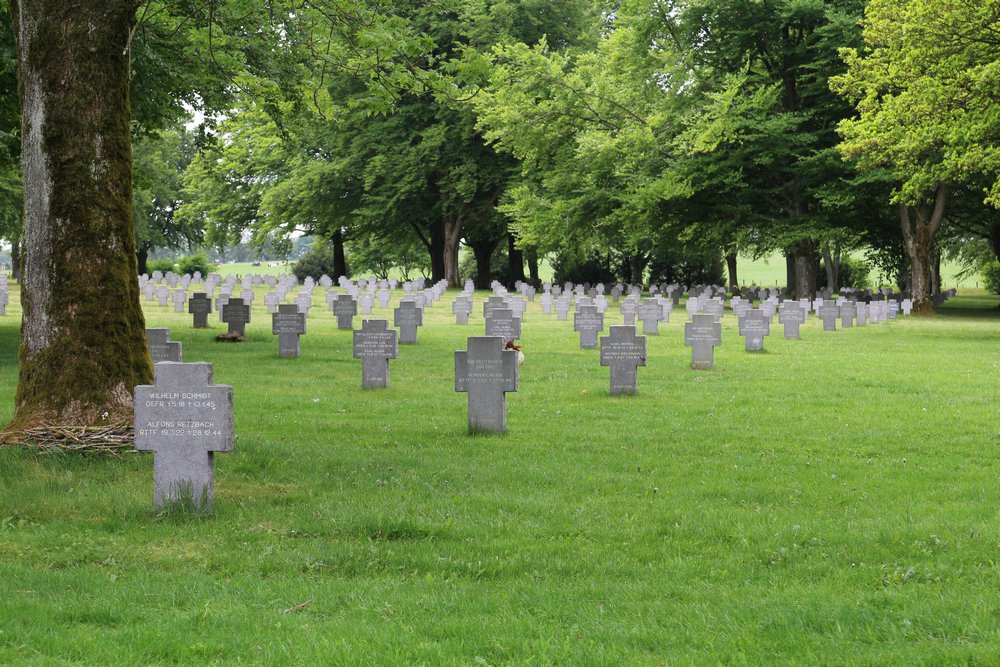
82,337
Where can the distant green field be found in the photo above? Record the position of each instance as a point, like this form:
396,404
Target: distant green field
832,500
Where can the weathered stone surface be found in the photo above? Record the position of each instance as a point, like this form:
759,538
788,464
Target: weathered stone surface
623,352
407,317
485,372
754,326
791,315
200,305
236,314
288,324
161,348
703,333
375,344
184,419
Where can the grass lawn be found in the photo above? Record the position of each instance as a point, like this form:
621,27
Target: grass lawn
832,500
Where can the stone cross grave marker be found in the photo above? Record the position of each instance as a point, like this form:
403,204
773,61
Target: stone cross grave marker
4,300
848,311
236,314
588,322
183,419
862,312
461,307
703,333
628,308
288,324
562,309
161,348
829,311
791,316
623,352
200,305
502,322
178,297
493,303
649,313
407,316
345,308
486,372
375,344
753,327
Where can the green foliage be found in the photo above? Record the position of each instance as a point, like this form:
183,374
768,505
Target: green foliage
197,262
991,276
315,263
925,88
687,265
854,272
161,265
584,267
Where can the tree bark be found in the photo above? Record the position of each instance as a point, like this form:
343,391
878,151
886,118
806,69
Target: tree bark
83,343
141,257
806,258
339,258
515,262
436,250
15,259
731,267
483,252
637,266
452,237
830,266
790,274
919,231
531,255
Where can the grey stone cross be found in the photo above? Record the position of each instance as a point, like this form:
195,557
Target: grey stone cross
829,311
184,419
161,348
501,322
588,322
753,327
407,316
200,306
623,352
649,313
288,324
848,311
486,372
345,308
791,316
375,344
461,307
703,334
237,315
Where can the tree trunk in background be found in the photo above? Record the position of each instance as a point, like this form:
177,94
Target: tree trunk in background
790,274
83,342
806,267
339,258
15,260
731,267
483,252
436,250
449,253
919,231
515,262
830,265
936,273
141,257
531,255
637,266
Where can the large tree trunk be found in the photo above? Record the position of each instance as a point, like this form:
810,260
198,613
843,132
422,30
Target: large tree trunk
731,267
483,253
83,343
339,258
452,237
831,265
531,256
919,231
515,262
637,266
436,250
141,257
806,267
790,275
15,259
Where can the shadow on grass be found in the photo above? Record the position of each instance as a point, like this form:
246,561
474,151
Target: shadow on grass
978,306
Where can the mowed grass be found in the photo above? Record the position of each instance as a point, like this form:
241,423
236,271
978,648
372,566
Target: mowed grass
833,500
